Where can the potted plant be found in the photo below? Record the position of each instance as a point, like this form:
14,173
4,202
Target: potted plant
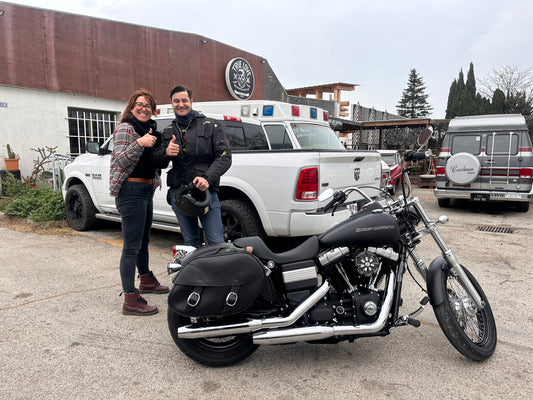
12,160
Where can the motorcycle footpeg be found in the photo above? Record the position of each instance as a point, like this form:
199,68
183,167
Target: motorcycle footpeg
413,322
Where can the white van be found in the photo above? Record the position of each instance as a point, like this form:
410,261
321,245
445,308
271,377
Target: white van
486,158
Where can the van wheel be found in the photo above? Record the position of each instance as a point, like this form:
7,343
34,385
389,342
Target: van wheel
522,206
79,208
444,203
240,219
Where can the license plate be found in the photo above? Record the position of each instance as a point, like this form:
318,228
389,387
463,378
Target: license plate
480,197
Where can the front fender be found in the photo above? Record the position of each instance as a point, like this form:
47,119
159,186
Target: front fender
434,279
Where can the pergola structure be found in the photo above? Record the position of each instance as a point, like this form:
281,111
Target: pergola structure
318,92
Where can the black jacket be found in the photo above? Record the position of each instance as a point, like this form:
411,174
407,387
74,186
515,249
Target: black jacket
204,151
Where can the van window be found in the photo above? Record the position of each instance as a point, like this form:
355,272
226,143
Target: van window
278,137
504,143
466,143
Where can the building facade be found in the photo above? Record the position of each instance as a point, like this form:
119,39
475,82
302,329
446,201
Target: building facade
65,78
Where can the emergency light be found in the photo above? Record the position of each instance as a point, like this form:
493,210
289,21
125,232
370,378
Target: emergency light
268,111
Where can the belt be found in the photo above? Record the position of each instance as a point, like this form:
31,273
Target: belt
141,180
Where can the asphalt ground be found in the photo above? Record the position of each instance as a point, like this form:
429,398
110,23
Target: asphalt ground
62,334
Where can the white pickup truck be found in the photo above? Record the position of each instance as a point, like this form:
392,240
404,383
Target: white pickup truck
283,157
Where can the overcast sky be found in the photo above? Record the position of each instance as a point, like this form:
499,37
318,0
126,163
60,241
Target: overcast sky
371,43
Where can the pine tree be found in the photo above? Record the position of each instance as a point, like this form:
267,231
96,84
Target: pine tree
413,103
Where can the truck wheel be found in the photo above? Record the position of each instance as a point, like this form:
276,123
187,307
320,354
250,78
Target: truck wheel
79,208
522,206
240,220
444,203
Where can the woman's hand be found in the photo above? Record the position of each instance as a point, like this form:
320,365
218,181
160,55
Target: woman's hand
147,140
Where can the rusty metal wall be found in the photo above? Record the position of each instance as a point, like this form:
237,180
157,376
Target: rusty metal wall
50,50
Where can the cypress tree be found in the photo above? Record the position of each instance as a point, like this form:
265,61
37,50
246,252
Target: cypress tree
498,102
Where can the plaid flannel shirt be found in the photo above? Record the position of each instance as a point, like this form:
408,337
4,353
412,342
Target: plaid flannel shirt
126,154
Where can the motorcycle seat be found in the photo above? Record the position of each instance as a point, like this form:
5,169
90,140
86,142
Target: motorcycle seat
305,251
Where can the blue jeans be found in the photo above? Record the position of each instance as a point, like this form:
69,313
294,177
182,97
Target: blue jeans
135,205
211,223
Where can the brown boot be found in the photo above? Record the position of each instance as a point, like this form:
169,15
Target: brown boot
150,284
134,304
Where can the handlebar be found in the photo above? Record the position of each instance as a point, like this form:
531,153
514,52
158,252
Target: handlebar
338,197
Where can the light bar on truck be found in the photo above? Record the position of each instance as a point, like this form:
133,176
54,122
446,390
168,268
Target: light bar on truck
295,111
268,111
312,112
245,111
232,118
326,116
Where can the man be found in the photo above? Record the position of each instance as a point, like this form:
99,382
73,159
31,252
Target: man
200,153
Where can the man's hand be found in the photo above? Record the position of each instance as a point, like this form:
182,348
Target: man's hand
201,183
173,148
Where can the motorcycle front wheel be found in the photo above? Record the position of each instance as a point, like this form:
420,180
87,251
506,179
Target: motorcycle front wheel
213,352
470,330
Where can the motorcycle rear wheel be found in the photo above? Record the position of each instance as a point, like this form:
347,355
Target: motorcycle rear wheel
213,352
470,330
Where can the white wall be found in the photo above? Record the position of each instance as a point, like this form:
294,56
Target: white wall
38,118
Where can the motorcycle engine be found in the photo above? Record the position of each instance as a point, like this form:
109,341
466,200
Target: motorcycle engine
366,263
360,307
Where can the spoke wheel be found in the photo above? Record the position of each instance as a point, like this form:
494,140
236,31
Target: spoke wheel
470,330
213,352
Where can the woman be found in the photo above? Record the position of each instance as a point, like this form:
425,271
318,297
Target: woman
134,175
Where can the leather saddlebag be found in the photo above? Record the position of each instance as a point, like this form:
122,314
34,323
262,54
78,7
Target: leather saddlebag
217,280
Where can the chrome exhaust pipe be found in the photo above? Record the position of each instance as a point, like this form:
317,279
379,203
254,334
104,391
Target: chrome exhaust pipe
283,336
190,332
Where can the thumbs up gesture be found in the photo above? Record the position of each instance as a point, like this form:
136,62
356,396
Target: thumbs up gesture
147,140
173,148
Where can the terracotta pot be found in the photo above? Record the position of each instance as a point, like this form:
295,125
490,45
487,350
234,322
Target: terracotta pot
12,164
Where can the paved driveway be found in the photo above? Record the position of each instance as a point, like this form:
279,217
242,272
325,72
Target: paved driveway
62,335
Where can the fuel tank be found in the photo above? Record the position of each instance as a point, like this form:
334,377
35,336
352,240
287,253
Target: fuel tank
376,228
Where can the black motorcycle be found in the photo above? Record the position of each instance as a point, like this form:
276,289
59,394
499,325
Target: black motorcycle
344,284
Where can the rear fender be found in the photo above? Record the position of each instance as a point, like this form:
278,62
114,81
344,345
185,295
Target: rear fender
434,279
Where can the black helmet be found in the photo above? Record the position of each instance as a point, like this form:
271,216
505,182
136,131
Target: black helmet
192,201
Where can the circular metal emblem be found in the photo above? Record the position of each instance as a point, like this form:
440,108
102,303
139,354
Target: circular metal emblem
239,79
463,168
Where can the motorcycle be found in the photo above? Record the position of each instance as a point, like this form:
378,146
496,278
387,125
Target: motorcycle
228,299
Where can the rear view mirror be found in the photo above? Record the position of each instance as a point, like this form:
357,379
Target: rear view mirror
424,136
93,147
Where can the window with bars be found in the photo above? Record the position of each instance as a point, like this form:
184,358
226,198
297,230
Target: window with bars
89,125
